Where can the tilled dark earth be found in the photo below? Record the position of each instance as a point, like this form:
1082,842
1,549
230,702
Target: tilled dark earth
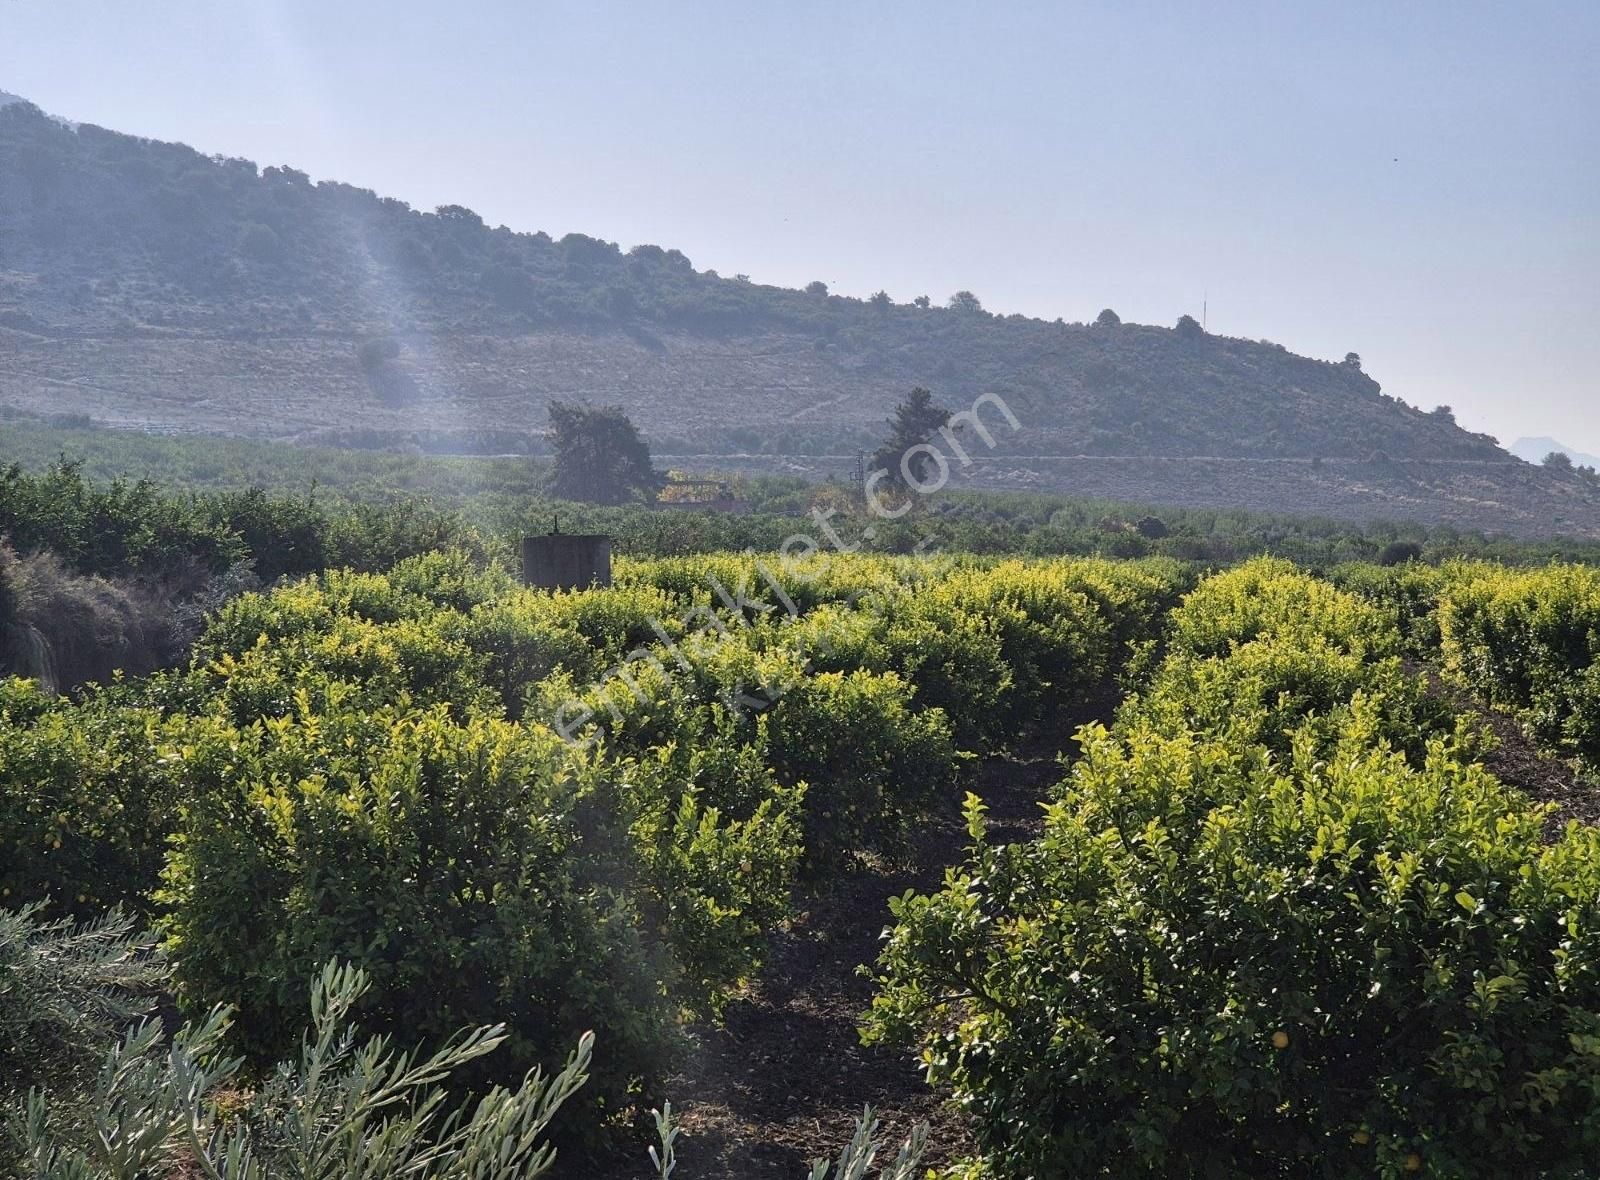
783,1080
1518,761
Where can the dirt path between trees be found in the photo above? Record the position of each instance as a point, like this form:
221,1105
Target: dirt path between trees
783,1079
785,1076
1518,761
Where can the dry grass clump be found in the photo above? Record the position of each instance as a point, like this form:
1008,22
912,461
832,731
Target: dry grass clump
65,628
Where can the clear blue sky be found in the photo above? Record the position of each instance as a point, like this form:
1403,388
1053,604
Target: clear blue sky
1418,181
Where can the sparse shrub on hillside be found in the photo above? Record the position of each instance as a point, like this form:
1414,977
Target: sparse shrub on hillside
204,247
965,303
377,351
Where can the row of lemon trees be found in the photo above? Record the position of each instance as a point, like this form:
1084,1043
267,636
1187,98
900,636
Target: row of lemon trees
1523,640
1279,921
557,813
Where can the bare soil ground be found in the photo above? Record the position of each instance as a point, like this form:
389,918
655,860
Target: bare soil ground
1518,761
783,1079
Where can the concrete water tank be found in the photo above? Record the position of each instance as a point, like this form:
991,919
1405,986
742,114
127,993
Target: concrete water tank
566,561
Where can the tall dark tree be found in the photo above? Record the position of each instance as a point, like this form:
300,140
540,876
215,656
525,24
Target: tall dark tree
600,456
1189,328
965,301
1108,319
914,422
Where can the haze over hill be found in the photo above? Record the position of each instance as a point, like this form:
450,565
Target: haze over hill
144,284
1534,450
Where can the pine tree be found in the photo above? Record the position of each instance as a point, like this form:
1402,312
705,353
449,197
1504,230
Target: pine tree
914,422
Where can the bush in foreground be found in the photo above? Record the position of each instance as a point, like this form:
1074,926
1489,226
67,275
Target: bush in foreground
87,800
343,1110
1530,641
340,1108
472,871
1212,965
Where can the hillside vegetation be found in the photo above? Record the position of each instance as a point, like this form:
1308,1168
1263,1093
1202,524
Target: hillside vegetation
145,282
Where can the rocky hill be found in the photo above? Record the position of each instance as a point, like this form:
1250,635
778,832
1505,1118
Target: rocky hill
145,284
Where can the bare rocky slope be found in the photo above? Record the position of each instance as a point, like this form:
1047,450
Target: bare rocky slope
146,285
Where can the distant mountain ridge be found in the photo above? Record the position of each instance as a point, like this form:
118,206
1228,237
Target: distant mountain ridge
145,284
1535,450
9,99
148,243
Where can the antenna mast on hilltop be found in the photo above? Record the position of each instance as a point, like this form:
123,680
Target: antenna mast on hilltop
1204,302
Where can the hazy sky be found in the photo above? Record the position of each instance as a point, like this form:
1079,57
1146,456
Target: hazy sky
1418,182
